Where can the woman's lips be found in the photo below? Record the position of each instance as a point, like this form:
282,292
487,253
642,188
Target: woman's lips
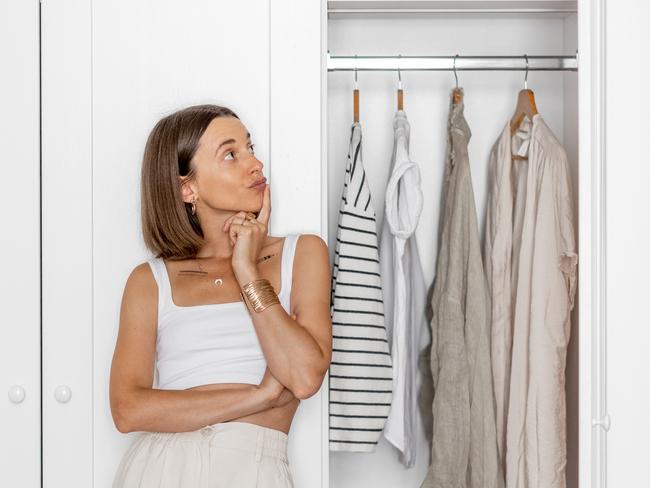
260,186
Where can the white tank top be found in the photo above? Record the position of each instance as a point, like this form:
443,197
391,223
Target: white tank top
213,343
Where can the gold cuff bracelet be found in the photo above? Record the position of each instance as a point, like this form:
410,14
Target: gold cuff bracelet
260,294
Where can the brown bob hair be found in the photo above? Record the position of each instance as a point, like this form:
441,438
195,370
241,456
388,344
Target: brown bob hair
169,229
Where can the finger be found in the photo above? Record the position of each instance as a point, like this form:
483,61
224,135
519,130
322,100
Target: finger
227,221
265,212
241,215
236,230
233,231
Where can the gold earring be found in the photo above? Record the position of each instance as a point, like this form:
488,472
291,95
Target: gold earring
193,205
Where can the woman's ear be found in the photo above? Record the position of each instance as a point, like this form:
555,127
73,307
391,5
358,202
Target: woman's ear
187,190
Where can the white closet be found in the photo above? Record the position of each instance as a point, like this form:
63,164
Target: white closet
83,83
490,98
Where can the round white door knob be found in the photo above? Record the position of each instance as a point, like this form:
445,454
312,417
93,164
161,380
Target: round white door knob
62,393
16,393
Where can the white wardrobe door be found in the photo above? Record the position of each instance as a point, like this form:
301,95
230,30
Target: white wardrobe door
20,296
111,71
627,243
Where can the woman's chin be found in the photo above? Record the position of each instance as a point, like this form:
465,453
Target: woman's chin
255,208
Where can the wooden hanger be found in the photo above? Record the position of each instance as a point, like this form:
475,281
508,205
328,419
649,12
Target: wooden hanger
526,107
457,92
356,94
458,96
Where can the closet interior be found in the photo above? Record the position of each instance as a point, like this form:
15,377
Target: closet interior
431,28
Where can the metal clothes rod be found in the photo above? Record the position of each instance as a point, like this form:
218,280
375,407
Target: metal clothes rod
446,63
342,8
420,11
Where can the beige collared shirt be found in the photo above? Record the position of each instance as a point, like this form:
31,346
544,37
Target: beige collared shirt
530,260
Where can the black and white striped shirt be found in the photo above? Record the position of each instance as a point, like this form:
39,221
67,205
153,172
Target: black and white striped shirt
360,379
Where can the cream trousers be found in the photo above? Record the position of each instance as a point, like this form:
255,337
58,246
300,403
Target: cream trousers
227,454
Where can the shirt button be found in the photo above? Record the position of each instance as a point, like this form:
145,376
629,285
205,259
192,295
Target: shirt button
206,431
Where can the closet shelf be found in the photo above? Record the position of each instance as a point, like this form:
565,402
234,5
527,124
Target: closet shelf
428,8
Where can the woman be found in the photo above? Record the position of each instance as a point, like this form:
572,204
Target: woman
234,358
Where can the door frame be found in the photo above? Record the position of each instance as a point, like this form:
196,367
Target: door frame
593,417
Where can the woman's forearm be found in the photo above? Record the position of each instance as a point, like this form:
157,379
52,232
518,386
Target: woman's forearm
292,354
156,410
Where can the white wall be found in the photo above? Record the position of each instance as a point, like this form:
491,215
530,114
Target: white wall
490,99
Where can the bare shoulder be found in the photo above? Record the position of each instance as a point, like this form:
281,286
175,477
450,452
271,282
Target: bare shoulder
311,261
141,289
311,245
142,275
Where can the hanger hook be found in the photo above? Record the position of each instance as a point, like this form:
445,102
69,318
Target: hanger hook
526,77
455,75
356,84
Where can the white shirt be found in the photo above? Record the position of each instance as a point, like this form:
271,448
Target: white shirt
404,290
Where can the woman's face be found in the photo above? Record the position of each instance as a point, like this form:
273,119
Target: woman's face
226,167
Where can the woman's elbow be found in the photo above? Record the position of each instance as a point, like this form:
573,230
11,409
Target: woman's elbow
120,420
305,392
122,427
122,413
309,386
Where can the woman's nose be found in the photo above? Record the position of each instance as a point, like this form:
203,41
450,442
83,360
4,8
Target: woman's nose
257,166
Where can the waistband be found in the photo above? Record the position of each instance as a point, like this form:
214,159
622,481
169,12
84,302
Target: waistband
246,436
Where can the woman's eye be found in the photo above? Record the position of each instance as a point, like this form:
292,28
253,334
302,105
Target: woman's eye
251,148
